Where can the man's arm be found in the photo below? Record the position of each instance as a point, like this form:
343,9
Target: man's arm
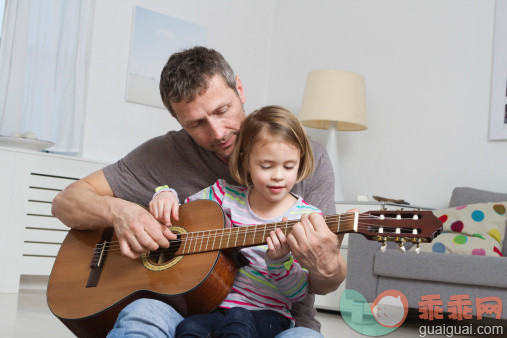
90,204
85,204
318,249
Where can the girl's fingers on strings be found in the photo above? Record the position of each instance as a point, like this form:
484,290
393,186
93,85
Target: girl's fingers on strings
153,209
175,212
270,244
274,239
281,237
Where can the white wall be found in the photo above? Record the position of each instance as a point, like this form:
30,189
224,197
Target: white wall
114,126
427,66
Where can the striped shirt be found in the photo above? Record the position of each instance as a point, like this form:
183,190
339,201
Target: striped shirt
263,284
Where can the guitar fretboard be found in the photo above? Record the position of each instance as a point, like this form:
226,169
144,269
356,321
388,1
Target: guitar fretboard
219,239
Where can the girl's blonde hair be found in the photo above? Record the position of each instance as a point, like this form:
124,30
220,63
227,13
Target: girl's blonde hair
273,121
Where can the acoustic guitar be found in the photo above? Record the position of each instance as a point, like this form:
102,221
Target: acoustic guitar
91,282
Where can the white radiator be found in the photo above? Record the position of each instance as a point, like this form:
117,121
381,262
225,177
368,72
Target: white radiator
43,233
30,236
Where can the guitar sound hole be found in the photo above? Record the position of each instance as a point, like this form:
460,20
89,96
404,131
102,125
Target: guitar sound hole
162,255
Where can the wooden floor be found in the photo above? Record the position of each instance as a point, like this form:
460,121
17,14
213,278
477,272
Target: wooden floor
27,315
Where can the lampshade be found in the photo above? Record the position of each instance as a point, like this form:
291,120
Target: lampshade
334,96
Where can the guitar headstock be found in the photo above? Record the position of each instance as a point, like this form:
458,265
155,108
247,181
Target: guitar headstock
399,226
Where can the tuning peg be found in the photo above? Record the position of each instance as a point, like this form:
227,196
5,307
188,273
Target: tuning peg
384,245
418,247
401,247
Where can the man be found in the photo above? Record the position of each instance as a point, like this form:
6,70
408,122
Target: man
199,89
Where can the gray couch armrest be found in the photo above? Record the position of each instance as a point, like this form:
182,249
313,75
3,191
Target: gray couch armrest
360,258
443,268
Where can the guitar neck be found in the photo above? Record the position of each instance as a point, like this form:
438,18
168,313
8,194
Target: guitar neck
239,237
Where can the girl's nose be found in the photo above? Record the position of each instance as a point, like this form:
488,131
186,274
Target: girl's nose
277,175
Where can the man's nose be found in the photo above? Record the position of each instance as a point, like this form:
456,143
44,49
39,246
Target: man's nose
217,129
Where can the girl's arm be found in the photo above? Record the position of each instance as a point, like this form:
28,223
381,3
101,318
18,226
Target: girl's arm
289,278
286,274
164,204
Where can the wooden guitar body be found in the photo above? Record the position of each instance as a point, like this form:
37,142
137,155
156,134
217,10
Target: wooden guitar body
92,311
91,282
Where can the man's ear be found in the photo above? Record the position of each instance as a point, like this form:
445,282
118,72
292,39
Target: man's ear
240,90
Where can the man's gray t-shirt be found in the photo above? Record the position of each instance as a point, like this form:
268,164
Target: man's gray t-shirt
174,159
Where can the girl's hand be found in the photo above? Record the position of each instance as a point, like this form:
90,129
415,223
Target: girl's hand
163,206
277,245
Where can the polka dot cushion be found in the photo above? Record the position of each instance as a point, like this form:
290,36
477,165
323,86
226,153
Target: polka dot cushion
474,229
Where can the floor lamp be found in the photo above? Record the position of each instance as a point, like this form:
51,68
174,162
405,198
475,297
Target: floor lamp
334,100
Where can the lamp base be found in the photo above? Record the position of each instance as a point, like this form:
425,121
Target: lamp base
332,149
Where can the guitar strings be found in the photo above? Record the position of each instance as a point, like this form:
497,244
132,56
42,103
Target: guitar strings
194,241
207,235
113,246
272,226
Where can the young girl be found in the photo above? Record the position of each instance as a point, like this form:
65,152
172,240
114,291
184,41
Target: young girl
272,154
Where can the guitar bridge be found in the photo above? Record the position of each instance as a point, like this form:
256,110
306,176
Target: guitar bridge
99,257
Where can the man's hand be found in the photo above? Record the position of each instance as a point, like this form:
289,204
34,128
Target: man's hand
137,230
317,249
91,204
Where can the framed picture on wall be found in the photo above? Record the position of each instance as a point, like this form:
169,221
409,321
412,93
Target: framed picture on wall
498,112
155,36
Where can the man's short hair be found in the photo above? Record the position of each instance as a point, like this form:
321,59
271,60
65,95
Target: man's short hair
187,74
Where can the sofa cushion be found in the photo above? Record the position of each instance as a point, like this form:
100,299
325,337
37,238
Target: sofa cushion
466,195
473,229
460,269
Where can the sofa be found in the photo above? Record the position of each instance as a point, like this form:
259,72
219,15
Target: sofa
370,271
